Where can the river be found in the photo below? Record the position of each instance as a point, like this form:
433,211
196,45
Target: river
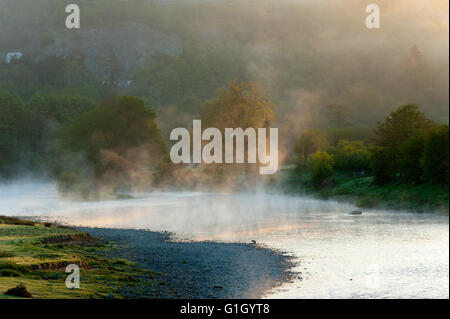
379,254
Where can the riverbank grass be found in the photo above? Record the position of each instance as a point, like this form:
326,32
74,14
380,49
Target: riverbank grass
36,255
365,193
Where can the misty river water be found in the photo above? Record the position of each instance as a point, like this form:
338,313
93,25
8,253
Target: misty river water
379,254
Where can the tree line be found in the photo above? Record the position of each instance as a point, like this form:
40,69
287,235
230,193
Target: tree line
405,148
117,144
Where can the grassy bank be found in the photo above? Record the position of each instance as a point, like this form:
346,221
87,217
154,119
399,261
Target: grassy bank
365,193
36,255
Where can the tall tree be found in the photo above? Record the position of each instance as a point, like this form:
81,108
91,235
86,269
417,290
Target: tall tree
391,135
242,104
121,140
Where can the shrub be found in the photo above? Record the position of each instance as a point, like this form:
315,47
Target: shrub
19,291
321,166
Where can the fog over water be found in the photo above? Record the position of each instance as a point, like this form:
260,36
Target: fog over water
380,254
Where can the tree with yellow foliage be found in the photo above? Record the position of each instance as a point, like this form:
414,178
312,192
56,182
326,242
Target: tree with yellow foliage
241,105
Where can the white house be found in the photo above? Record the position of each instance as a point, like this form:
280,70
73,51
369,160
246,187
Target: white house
13,55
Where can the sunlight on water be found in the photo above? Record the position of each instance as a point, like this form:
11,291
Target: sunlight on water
380,254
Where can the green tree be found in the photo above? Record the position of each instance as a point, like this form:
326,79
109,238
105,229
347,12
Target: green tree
391,134
45,111
197,71
436,155
122,142
412,152
20,74
379,164
351,155
242,104
59,107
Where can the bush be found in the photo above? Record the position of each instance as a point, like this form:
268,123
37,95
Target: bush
321,166
19,291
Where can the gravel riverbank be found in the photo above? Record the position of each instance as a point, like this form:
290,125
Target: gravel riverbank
196,269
